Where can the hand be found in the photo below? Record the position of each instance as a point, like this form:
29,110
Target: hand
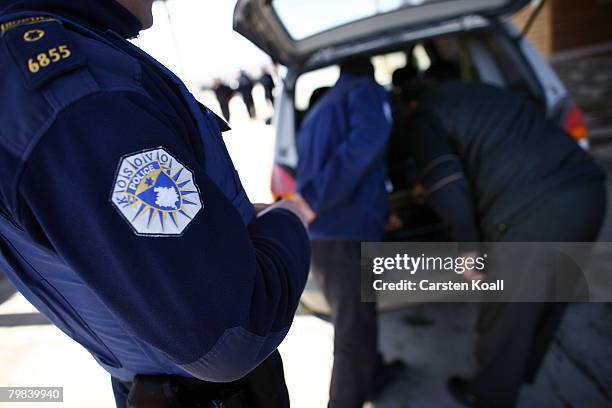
303,213
418,191
472,274
305,208
393,223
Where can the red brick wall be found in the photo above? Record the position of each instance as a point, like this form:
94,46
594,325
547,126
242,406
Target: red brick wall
567,24
578,23
540,34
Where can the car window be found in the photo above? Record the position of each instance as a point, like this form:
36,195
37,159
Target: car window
513,66
385,65
310,81
423,62
305,18
449,59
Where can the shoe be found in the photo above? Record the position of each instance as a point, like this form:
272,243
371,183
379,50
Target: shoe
388,373
459,388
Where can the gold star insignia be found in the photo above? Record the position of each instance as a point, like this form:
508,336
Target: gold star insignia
33,35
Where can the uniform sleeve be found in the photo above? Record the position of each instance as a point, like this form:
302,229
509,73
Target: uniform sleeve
217,299
441,173
369,130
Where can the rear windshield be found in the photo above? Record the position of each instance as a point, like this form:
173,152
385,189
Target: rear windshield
305,18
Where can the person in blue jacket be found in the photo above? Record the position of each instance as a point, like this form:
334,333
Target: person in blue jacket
341,176
123,220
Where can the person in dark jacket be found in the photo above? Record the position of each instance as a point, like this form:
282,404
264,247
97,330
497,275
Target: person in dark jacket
495,169
224,94
123,220
245,89
341,176
267,82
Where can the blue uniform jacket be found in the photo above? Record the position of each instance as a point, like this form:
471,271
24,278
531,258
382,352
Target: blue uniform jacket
341,171
122,218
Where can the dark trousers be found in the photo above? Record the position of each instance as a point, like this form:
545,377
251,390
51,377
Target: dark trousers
264,387
513,337
336,268
269,95
247,98
224,104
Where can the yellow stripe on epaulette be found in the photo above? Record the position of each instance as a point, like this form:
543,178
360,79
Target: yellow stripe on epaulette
4,27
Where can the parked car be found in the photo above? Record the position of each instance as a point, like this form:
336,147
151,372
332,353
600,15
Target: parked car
472,39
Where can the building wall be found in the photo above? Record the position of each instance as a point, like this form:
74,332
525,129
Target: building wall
579,23
568,24
574,24
540,34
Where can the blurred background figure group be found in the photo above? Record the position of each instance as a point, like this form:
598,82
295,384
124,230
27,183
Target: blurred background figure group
244,85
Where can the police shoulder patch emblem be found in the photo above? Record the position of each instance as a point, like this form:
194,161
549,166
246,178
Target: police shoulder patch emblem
155,193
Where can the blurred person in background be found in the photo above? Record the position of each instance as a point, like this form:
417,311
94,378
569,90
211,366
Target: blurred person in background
496,169
224,94
267,82
341,177
123,220
245,89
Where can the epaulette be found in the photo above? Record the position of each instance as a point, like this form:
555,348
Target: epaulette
42,48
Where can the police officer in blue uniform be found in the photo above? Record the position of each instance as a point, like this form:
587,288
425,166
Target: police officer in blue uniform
495,169
123,220
341,176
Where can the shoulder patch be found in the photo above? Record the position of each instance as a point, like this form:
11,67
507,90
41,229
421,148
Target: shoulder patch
155,193
42,49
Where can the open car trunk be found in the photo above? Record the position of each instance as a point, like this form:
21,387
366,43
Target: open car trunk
291,31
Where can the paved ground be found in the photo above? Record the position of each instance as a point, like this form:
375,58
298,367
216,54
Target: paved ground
434,340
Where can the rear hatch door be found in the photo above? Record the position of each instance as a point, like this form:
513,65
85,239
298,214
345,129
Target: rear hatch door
290,31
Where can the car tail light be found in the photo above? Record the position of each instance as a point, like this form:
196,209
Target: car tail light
283,182
576,126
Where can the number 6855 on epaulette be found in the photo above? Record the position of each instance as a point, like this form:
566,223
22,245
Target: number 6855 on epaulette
44,59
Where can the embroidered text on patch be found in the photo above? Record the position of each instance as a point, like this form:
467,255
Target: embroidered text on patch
155,193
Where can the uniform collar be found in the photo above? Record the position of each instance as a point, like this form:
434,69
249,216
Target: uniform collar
99,15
